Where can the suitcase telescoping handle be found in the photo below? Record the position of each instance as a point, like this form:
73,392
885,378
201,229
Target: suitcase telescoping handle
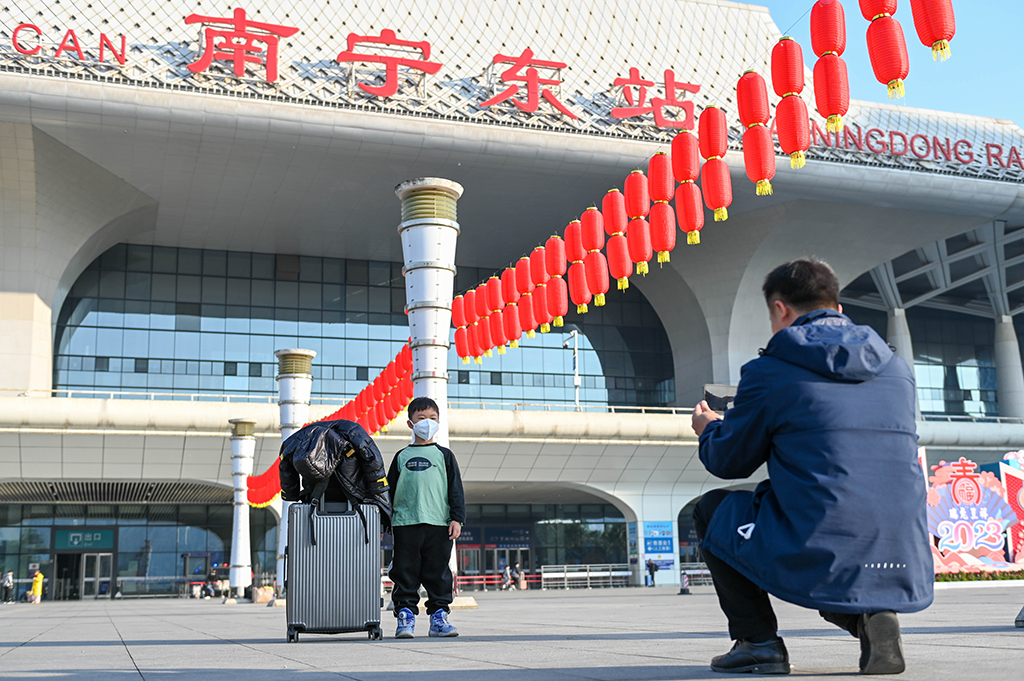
325,508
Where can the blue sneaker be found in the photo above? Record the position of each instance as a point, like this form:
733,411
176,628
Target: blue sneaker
406,623
440,626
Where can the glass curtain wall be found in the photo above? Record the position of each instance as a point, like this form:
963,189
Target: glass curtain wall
176,320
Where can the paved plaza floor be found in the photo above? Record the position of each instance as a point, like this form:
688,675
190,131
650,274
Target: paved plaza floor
607,635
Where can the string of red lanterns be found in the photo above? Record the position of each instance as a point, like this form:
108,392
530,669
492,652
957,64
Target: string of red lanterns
886,46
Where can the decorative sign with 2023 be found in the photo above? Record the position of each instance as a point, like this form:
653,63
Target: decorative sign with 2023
971,517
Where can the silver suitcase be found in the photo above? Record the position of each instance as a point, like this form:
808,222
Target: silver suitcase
332,575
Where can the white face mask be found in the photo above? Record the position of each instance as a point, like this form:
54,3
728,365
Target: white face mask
425,429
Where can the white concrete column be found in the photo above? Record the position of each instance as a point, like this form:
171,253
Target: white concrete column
243,447
294,386
429,231
1009,373
897,334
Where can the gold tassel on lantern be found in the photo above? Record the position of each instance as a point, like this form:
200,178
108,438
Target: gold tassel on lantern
721,214
531,334
623,283
599,299
514,344
465,360
896,89
764,188
545,327
488,353
693,238
834,123
501,349
641,268
797,159
557,322
478,360
940,50
581,309
663,257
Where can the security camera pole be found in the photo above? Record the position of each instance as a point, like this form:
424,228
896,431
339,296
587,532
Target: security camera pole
574,336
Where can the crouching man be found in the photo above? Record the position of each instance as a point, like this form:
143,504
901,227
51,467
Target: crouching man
839,525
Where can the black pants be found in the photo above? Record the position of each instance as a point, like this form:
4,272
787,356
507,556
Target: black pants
421,556
744,603
8,594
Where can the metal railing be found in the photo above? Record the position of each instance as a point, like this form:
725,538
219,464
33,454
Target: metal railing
698,574
584,576
152,587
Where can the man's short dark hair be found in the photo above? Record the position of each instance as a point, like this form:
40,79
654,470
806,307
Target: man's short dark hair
422,404
805,285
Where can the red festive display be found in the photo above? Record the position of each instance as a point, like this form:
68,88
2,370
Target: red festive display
497,331
524,280
574,251
663,230
458,312
462,344
613,209
791,113
483,319
886,45
578,290
510,320
525,286
716,185
689,211
539,275
619,265
540,307
660,181
759,158
509,292
596,267
495,303
469,307
554,256
831,84
592,229
638,197
638,239
685,157
935,25
558,300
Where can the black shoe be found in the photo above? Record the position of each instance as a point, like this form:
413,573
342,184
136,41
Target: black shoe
881,651
769,657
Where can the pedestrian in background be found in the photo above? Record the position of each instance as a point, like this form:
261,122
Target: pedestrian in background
37,587
652,567
8,585
839,525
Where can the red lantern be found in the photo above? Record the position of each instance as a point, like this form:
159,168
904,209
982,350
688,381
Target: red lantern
935,25
832,90
574,250
497,331
348,412
619,264
661,183
613,209
494,299
390,377
716,185
685,157
540,308
469,307
886,45
483,336
828,28
554,256
462,344
538,267
596,268
794,130
509,292
378,389
752,99
663,230
458,312
524,282
638,239
360,401
690,211
638,198
480,301
510,320
382,417
592,229
578,290
408,391
713,133
558,300
787,67
759,158
527,322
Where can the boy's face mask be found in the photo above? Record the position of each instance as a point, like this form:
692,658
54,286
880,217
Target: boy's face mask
425,429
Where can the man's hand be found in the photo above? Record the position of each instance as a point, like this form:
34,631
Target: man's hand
702,416
454,530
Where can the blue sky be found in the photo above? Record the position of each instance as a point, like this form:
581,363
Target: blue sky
984,76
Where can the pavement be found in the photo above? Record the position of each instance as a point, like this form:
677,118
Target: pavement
633,634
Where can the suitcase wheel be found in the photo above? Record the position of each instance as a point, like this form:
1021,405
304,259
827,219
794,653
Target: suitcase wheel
376,634
293,636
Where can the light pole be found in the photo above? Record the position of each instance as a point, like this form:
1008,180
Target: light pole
574,336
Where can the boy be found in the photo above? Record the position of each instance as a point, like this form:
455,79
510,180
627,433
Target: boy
429,510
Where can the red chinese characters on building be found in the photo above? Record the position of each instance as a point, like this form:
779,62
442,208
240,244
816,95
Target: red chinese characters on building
391,63
239,42
964,482
634,90
514,74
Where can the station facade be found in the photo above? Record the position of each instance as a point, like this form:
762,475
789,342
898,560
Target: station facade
173,212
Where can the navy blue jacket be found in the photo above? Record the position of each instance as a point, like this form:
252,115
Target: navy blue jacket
840,524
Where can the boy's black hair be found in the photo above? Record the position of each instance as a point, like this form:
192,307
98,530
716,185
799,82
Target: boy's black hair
422,404
806,284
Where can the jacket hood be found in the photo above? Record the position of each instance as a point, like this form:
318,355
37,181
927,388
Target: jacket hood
828,343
